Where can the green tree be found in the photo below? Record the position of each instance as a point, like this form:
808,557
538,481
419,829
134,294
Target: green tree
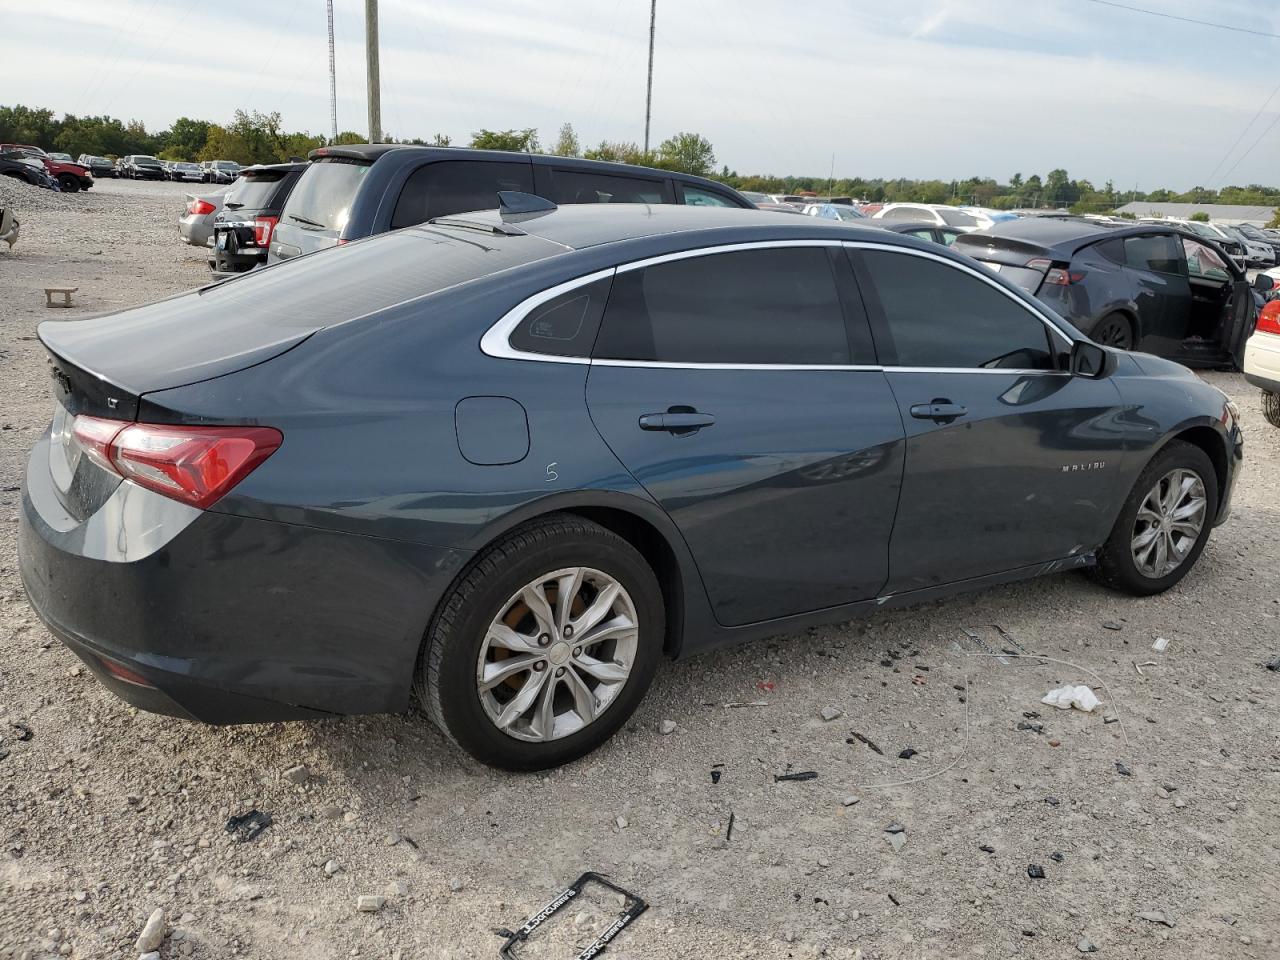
520,141
186,138
1200,217
619,152
687,152
441,140
1274,222
567,144
350,136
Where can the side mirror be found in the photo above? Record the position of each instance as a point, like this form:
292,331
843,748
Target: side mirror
1264,284
1091,361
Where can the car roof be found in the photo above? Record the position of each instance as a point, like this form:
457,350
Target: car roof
1072,232
580,225
271,168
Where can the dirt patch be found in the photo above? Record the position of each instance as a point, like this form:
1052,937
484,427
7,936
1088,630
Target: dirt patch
107,814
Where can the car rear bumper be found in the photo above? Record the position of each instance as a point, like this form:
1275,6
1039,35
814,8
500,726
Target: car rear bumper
1262,361
227,619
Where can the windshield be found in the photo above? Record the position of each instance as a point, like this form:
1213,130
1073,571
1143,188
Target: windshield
226,165
323,197
149,161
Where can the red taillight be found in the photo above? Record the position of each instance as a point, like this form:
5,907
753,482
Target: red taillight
340,241
262,229
195,465
1269,319
121,672
199,207
1056,276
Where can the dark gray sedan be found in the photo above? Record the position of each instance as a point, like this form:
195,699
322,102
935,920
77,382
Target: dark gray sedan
506,461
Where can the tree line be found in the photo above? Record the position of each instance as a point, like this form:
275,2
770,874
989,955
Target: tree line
253,137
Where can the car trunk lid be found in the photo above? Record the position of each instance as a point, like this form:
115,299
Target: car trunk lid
1018,261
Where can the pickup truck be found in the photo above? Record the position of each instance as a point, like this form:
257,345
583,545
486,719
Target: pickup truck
70,176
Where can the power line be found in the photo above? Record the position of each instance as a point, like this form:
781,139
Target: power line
1247,127
1242,156
1173,16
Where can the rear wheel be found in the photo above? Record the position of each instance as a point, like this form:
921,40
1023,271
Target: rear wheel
1271,407
545,647
68,182
1114,330
1164,524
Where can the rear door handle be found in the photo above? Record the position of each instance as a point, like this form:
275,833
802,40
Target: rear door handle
678,422
939,411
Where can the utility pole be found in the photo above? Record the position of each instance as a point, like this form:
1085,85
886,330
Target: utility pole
371,56
333,82
648,93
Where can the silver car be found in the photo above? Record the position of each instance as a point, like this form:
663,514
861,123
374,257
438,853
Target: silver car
196,224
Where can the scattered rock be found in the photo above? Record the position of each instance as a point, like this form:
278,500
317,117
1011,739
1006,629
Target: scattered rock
152,932
1274,665
667,727
396,888
1179,803
456,884
830,713
331,867
1123,770
1035,871
850,800
824,862
908,753
896,840
1056,857
1031,725
895,827
1156,916
987,848
298,774
369,903
153,955
1085,945
1052,801
1111,625
622,822
331,811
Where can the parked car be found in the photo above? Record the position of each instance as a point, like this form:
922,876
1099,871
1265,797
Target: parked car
250,211
140,166
1262,354
1208,231
944,236
833,211
219,171
70,176
22,167
98,166
196,225
356,191
756,197
935,213
1258,253
508,460
1260,236
64,157
184,171
1141,287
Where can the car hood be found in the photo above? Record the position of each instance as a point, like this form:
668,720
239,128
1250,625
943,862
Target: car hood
1152,366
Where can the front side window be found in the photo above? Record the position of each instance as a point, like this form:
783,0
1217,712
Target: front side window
457,186
770,306
907,213
1159,253
940,316
564,326
573,186
697,197
1204,262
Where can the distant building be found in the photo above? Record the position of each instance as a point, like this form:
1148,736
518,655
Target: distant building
1228,213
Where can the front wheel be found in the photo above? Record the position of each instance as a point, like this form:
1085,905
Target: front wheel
1271,407
68,183
1163,525
545,646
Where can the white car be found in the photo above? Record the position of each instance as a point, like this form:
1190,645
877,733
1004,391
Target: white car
1262,360
1257,253
833,211
938,214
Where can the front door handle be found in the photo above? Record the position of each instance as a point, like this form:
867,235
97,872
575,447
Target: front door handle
938,410
679,421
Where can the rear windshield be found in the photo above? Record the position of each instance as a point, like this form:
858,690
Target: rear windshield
254,191
317,290
226,165
325,193
145,160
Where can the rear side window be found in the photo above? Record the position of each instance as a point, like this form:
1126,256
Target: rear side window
573,186
1159,253
958,218
940,316
907,213
565,326
324,195
457,186
742,307
1112,250
698,197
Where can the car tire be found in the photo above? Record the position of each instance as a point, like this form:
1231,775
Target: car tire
68,182
1271,407
1118,564
488,596
1114,330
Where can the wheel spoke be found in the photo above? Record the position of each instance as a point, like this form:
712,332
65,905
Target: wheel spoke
500,671
567,589
600,606
584,701
1161,555
522,701
1144,539
500,635
544,719
536,598
1188,530
606,671
619,626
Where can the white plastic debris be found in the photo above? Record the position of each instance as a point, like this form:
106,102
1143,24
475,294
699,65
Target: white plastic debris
1064,698
1160,644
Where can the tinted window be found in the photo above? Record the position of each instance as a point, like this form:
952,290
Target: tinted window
1157,253
940,316
745,307
571,186
458,186
907,213
958,218
1112,249
325,193
697,197
253,192
949,237
923,234
565,326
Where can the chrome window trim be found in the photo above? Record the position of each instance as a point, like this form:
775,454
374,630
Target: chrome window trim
496,341
963,268
724,248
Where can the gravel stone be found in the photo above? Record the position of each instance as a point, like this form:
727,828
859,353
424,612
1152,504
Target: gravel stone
369,903
152,934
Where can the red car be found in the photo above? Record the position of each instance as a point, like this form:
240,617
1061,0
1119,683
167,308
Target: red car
70,176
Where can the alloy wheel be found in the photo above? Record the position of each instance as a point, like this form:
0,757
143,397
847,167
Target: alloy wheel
1114,332
1170,519
557,654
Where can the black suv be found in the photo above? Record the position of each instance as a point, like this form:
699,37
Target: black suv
1157,289
356,191
243,228
140,167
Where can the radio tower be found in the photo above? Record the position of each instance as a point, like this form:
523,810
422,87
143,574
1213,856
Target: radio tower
333,82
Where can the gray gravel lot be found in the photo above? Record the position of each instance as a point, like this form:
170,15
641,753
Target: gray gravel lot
107,814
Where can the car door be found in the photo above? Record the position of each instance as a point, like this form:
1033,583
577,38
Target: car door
1010,461
1157,271
731,384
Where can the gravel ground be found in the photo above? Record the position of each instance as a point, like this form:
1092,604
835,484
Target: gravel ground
107,814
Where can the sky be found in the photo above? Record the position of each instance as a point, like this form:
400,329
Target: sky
914,88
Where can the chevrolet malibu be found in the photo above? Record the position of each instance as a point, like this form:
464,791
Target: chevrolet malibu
504,462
